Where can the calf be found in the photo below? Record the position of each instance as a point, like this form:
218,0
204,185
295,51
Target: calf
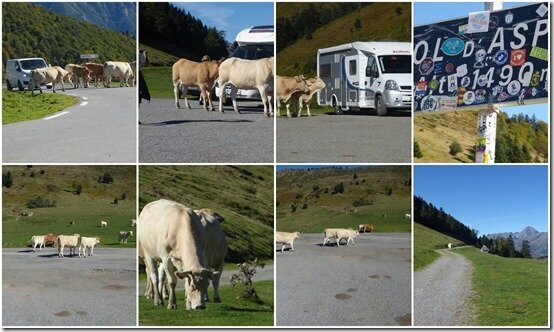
88,242
286,88
124,236
349,234
51,239
37,240
286,238
449,246
186,73
314,85
67,240
103,224
365,228
408,216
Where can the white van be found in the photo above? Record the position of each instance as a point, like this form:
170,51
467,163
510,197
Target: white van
18,72
366,75
253,43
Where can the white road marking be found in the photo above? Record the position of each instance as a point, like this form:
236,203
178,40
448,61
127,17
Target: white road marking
84,103
85,98
56,115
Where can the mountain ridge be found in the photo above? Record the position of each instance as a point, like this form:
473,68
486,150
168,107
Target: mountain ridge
538,241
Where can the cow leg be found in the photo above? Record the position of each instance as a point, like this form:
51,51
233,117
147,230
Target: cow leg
263,94
172,281
270,103
221,95
153,273
203,97
209,96
292,246
215,282
278,110
80,249
185,91
53,88
234,91
288,110
63,89
91,251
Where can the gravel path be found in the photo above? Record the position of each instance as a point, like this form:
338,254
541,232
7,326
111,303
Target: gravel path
367,284
353,137
42,289
168,135
442,291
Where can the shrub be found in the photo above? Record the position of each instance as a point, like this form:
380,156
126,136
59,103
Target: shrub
41,171
244,277
77,189
32,174
7,179
123,196
293,208
106,178
52,188
398,11
358,24
39,202
362,201
455,148
388,191
417,150
339,188
116,200
304,206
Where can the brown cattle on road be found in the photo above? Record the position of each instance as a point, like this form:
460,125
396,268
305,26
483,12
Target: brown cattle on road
365,228
97,72
286,87
47,75
203,74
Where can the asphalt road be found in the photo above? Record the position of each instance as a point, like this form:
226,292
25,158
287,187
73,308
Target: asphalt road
42,289
101,128
367,284
360,137
442,291
194,135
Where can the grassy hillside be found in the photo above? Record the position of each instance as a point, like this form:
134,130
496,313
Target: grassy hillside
161,58
317,208
58,183
33,31
509,291
435,133
426,241
379,21
23,107
241,194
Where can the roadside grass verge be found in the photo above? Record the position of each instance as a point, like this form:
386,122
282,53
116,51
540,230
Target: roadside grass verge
508,291
231,312
21,106
426,241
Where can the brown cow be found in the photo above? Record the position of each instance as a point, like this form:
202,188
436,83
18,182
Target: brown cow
286,87
51,239
365,228
97,72
204,74
47,75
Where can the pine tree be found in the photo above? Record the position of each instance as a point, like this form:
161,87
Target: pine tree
526,249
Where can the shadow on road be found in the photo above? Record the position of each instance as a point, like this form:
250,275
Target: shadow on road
177,122
27,250
54,255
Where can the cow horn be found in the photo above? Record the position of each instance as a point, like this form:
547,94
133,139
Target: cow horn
184,274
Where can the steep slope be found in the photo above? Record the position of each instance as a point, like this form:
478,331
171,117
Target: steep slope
538,241
241,194
33,31
314,199
120,16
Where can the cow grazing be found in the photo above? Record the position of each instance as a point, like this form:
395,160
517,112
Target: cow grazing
449,246
187,73
216,246
120,70
103,224
365,228
37,240
314,85
88,242
247,74
124,236
285,238
47,75
67,240
286,88
96,72
173,234
408,216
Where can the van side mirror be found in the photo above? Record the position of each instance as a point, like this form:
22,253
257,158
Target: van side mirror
371,73
17,68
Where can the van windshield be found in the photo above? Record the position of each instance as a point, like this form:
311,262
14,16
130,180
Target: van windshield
395,64
253,52
33,64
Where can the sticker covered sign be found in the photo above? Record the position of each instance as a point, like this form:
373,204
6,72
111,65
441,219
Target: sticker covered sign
474,62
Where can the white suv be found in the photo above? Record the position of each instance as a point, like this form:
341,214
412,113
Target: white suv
18,72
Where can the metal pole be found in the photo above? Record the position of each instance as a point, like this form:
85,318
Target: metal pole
485,144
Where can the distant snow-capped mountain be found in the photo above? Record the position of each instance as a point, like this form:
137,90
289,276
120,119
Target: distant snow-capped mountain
538,241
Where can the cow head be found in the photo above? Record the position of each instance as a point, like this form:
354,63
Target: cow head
209,215
296,235
301,84
316,83
97,240
196,285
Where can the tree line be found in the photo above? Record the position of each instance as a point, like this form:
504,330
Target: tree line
518,137
175,31
32,31
505,247
304,22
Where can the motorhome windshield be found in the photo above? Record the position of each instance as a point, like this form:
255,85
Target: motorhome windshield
33,64
395,64
253,52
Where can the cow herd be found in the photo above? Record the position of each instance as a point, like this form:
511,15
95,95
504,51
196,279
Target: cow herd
338,234
75,241
83,74
298,91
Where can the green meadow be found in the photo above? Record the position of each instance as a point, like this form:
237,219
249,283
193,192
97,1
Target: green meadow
426,241
22,106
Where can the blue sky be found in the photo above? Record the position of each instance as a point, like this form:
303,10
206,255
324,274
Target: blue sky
490,199
231,17
431,12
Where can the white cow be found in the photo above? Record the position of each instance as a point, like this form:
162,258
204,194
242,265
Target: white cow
216,246
173,234
285,238
103,224
124,236
247,74
449,246
340,233
314,85
286,88
408,216
133,222
37,240
121,70
67,240
88,242
47,75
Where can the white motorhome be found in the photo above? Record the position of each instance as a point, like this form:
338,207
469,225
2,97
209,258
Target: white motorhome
363,75
253,43
18,72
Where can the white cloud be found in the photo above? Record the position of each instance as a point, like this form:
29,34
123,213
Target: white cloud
211,14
